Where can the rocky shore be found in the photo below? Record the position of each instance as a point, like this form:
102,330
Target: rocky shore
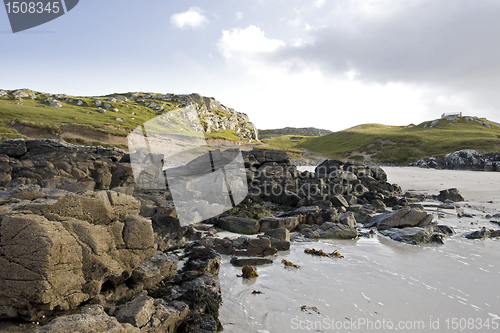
84,249
462,160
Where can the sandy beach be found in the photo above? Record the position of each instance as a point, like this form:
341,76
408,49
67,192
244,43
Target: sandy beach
381,285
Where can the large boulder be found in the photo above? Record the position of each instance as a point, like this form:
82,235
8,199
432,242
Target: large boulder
451,194
56,263
418,235
406,217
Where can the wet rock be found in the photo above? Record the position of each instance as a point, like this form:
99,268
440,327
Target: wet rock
451,194
239,225
483,234
419,235
168,316
166,223
270,223
281,233
201,260
251,261
330,230
406,217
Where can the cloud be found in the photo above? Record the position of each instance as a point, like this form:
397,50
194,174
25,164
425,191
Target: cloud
191,19
248,48
449,44
239,15
319,3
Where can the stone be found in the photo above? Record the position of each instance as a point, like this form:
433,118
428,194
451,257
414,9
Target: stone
280,233
483,234
137,312
13,148
451,194
406,217
167,317
101,110
119,119
331,230
79,102
55,104
107,105
419,235
251,261
339,201
269,223
379,174
91,319
239,225
115,110
155,269
348,219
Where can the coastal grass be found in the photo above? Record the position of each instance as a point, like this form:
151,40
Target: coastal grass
398,144
36,113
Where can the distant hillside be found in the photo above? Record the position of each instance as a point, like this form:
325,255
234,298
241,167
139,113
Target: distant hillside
305,131
107,120
398,144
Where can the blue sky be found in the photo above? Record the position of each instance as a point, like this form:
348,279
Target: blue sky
324,63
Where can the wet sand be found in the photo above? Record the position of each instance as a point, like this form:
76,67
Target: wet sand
381,285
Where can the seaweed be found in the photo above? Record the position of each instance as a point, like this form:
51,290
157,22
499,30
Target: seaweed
321,253
248,272
309,309
289,265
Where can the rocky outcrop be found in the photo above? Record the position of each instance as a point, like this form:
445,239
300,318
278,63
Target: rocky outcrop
451,194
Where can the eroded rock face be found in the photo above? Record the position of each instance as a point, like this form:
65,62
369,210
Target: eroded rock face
61,259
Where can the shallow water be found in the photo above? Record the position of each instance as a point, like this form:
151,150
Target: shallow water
380,285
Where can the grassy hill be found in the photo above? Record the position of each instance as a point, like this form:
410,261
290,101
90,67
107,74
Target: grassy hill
398,144
79,121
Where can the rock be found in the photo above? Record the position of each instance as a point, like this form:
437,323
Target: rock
91,319
153,270
107,105
98,103
253,261
451,194
281,233
330,230
101,207
28,192
119,119
62,262
137,312
348,219
166,223
115,110
101,110
270,223
79,102
257,246
419,235
202,260
239,225
483,234
167,317
339,201
378,173
121,98
406,217
55,104
13,148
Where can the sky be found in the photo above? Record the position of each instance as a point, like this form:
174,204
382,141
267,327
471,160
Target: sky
330,64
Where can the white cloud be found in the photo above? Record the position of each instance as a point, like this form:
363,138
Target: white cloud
191,19
247,47
239,15
319,3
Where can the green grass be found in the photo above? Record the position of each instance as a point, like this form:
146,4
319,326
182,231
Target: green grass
286,142
398,144
37,113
